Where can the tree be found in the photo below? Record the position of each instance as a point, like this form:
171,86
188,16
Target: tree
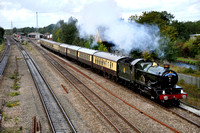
193,47
102,47
14,30
136,53
57,31
169,51
162,19
181,29
2,31
65,32
68,32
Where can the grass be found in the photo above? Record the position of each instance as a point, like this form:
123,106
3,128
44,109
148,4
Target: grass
188,60
13,94
12,103
15,86
28,46
188,71
1,47
193,93
15,75
5,117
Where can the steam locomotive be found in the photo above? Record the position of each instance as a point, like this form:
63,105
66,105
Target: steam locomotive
147,77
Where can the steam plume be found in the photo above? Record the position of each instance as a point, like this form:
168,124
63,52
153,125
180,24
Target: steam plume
124,35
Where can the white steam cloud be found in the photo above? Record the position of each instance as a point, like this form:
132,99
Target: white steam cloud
124,35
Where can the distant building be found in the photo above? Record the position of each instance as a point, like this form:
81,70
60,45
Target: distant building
101,38
193,36
47,36
35,35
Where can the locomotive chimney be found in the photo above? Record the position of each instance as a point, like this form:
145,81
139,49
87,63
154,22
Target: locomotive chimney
166,66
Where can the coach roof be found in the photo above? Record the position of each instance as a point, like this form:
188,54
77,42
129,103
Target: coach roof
64,45
108,56
74,47
88,51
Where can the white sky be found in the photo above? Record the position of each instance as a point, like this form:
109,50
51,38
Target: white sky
22,13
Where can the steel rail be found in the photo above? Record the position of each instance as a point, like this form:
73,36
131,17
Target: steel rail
78,84
4,58
40,81
172,129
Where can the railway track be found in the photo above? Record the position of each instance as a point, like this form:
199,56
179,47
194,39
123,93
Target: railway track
58,119
190,108
85,91
4,58
114,118
194,115
184,114
183,111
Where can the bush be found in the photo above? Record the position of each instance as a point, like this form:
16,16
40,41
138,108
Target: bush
188,70
181,81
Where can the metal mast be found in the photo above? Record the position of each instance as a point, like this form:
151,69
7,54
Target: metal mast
37,36
11,25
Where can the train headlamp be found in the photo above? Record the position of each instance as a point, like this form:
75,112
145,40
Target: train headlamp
182,92
163,92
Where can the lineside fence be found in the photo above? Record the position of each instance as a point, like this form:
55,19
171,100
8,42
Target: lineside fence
190,79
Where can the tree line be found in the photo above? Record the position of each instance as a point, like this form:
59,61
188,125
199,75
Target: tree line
67,32
2,31
175,36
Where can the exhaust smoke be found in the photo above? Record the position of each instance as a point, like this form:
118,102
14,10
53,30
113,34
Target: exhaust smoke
125,35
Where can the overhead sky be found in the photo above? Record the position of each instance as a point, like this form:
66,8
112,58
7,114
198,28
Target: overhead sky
22,13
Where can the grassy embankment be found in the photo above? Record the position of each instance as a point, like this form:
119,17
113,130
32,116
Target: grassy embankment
1,47
192,91
187,71
187,60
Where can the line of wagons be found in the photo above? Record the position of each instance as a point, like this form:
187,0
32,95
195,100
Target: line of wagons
148,77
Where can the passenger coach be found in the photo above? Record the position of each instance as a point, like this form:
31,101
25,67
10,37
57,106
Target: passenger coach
85,56
106,63
72,52
63,49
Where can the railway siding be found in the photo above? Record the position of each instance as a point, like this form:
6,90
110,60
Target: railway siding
57,117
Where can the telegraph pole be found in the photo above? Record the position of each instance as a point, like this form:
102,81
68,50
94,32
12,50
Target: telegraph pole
37,35
11,25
